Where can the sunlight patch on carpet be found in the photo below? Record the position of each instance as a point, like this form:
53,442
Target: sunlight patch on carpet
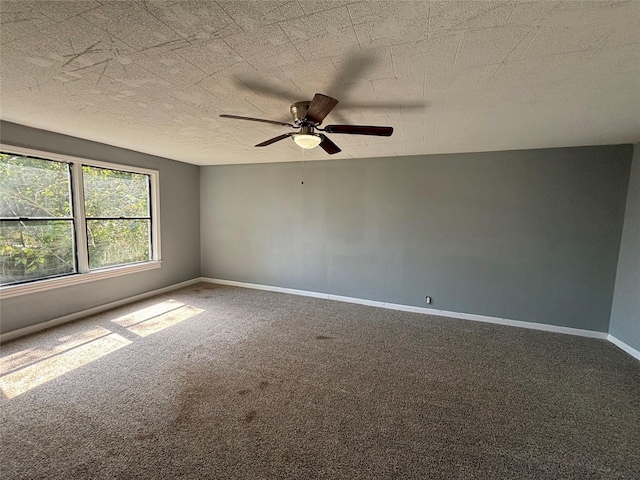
165,320
24,370
32,355
147,313
57,364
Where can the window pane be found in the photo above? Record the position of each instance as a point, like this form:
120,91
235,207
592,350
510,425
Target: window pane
111,193
35,249
31,187
116,242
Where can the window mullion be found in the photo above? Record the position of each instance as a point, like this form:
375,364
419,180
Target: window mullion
80,223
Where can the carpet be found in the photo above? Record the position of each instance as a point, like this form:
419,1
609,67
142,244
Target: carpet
221,382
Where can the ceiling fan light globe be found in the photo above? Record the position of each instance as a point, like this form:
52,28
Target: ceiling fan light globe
307,140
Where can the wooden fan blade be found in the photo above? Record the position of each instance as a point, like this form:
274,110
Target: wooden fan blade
328,146
320,107
237,117
274,139
360,130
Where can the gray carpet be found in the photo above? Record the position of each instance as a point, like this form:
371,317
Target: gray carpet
249,384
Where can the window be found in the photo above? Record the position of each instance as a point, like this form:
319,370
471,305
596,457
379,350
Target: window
64,220
118,214
36,230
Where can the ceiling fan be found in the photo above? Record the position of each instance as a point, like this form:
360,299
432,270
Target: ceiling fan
307,118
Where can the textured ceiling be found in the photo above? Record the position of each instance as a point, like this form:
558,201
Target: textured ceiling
153,76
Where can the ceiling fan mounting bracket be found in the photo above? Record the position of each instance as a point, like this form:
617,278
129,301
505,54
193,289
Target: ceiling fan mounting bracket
299,112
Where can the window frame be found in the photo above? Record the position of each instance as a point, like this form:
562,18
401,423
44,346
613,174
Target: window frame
83,274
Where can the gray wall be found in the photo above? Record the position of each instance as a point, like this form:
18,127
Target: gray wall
625,313
526,235
180,235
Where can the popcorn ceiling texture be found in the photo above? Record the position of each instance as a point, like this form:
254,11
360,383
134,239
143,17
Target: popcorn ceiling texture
450,77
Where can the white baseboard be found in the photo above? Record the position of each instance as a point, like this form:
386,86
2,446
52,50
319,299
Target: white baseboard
393,306
91,311
257,286
623,346
408,308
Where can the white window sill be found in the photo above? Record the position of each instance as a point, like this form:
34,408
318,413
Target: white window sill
75,279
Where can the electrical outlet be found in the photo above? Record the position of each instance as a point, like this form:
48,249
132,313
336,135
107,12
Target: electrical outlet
428,299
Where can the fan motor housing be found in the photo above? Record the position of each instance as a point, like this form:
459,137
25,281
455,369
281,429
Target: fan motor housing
299,111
